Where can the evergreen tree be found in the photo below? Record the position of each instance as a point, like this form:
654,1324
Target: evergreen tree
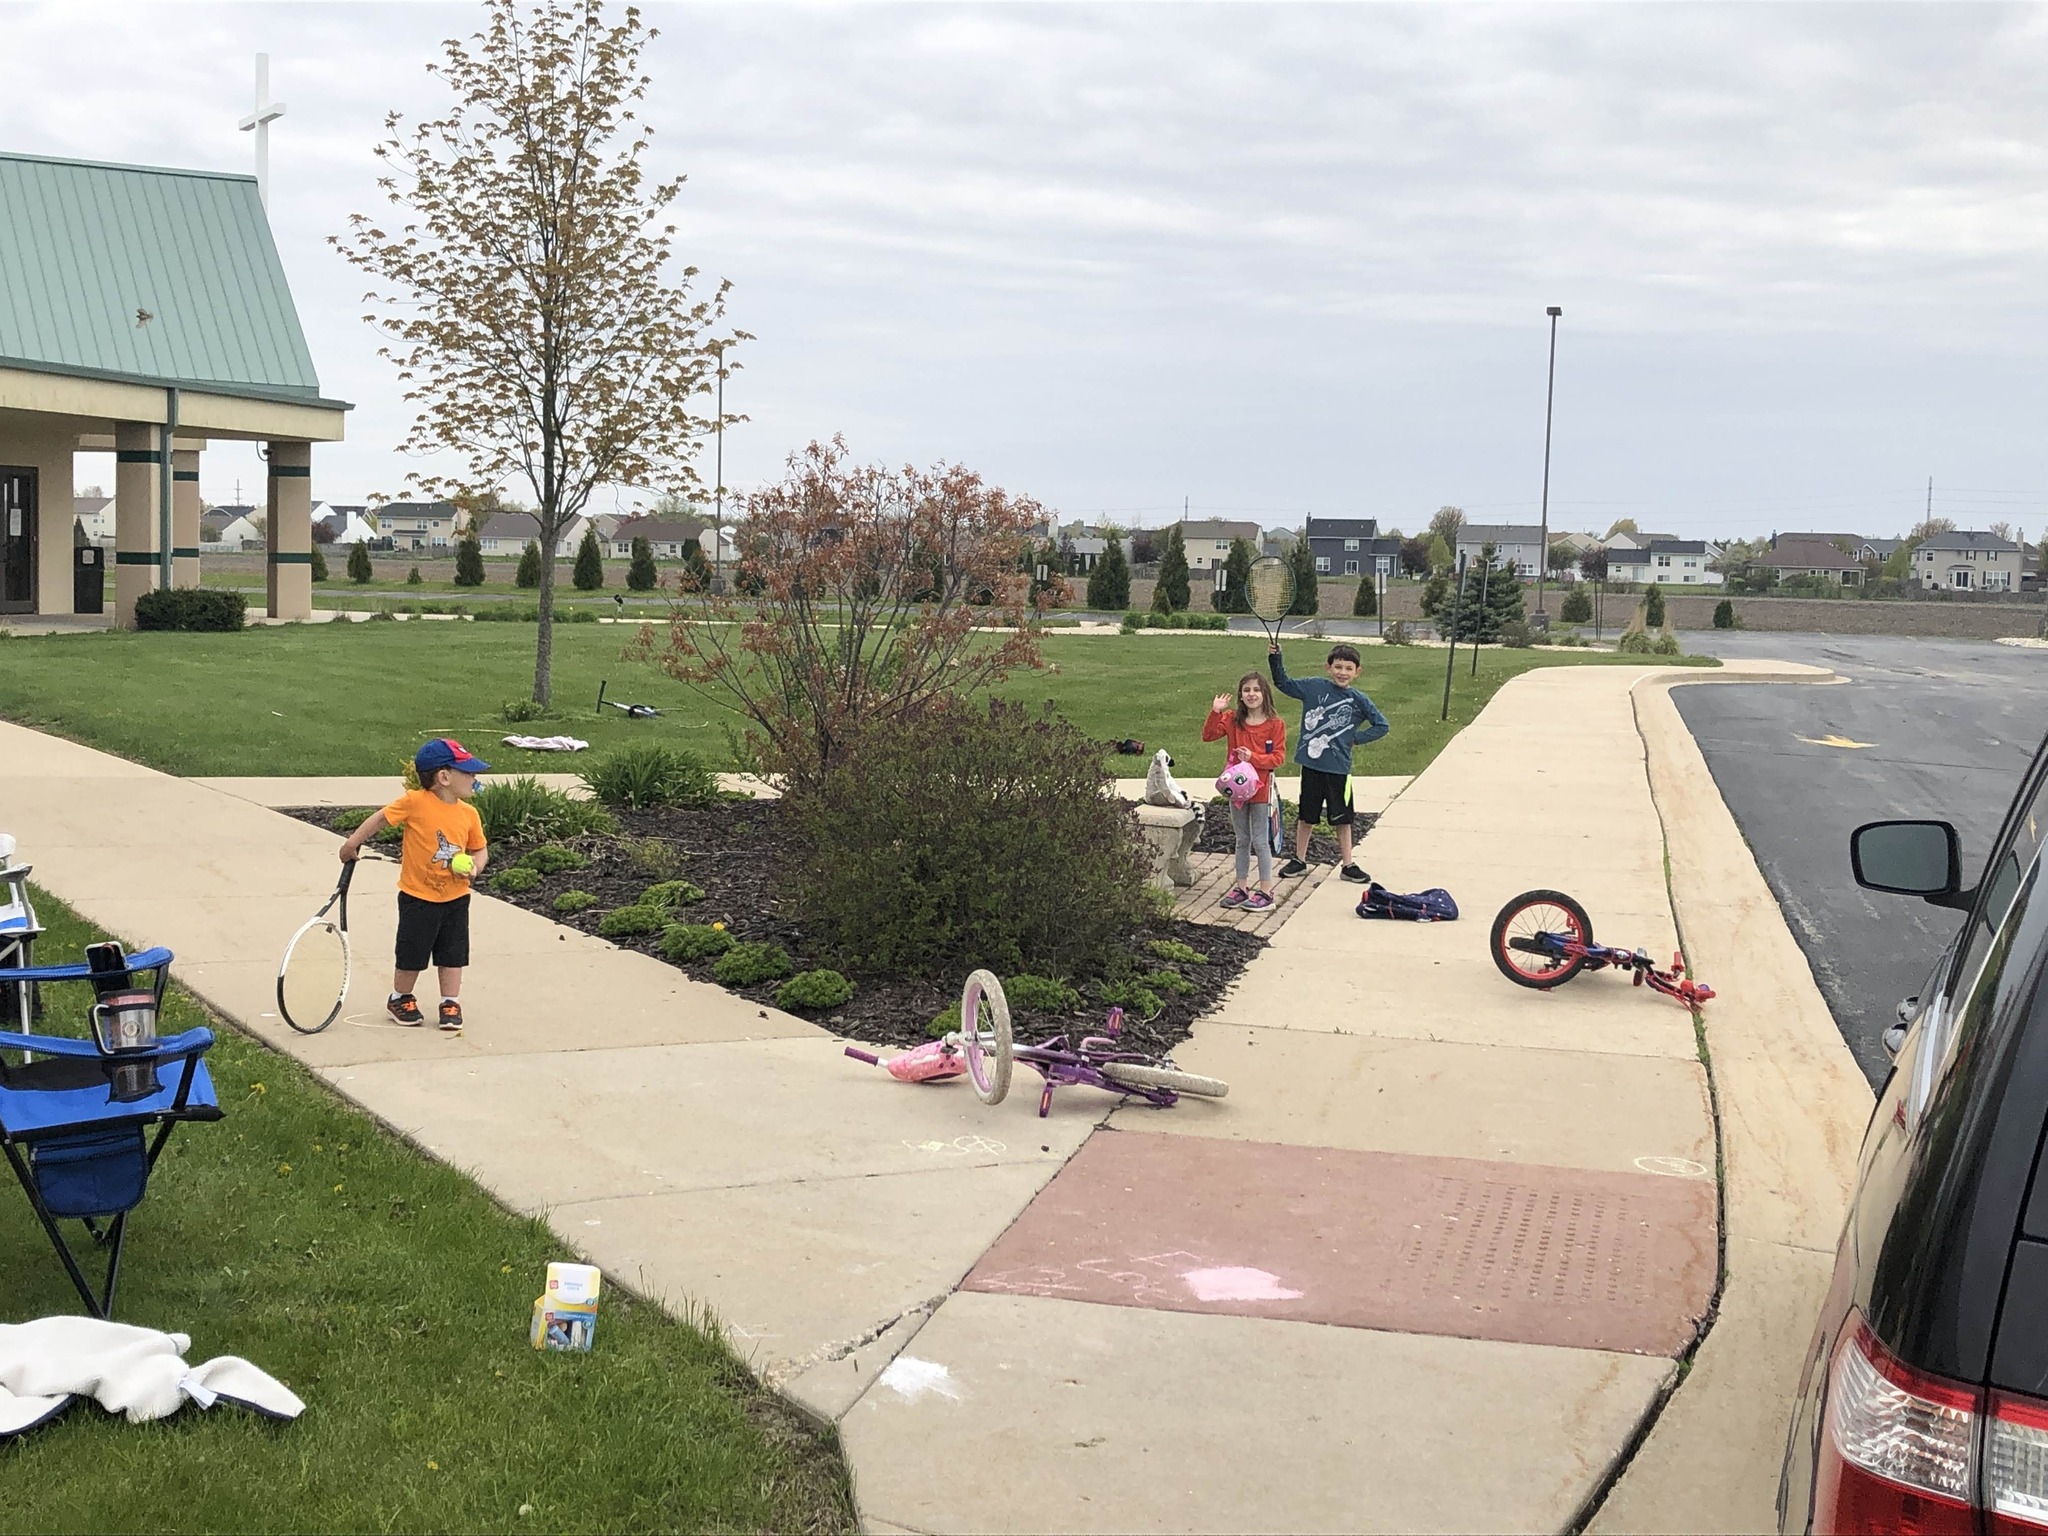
1365,602
1171,593
1233,595
1578,606
413,577
1724,614
1504,601
359,562
1491,598
528,574
696,567
641,575
1302,561
589,573
1109,584
469,562
1436,593
1653,607
319,564
1441,556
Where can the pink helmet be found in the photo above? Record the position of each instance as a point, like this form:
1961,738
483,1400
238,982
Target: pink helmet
1240,781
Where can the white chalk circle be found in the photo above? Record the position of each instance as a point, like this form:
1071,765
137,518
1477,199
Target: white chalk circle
1673,1167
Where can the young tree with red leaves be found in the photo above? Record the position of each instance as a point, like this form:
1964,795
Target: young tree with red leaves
878,591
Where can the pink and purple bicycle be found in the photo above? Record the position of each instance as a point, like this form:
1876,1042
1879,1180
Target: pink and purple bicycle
985,1050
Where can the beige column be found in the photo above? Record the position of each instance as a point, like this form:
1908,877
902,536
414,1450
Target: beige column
137,533
185,517
290,537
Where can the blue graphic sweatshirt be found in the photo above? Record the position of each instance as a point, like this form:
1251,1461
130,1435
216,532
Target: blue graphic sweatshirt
1333,719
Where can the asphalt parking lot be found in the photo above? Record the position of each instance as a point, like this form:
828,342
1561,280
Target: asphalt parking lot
1921,728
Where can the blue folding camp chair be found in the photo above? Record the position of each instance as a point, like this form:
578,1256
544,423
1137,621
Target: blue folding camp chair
76,1115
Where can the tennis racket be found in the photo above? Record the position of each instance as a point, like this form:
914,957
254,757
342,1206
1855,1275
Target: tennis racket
1269,591
312,978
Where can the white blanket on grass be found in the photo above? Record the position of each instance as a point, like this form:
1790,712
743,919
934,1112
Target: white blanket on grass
138,1372
546,743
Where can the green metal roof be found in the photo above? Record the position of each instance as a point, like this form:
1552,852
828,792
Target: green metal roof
86,247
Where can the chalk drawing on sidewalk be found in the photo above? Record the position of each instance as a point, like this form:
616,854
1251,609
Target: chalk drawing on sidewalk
961,1146
1835,741
1237,1283
1673,1167
911,1378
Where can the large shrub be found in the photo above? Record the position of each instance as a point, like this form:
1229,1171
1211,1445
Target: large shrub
1109,584
206,608
1365,602
528,573
1653,607
1301,559
469,561
1170,592
1724,614
588,574
863,593
359,570
967,835
1578,606
641,574
319,563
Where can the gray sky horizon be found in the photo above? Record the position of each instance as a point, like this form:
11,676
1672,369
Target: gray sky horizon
1277,260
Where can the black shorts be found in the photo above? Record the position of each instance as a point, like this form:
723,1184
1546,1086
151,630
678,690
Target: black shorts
1321,792
436,931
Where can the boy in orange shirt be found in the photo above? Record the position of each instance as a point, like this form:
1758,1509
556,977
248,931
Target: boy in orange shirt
443,852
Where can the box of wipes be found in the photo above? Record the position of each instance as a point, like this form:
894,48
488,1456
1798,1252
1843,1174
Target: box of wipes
566,1316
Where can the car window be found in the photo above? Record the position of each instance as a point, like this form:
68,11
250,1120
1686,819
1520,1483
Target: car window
1980,958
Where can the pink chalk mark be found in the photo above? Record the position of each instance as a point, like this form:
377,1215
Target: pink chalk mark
1235,1283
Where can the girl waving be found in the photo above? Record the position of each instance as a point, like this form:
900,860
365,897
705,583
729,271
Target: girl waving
1259,737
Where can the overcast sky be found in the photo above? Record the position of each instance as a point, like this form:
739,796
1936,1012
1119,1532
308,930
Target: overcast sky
1275,260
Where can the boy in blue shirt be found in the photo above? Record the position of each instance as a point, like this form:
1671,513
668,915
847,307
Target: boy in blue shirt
1335,717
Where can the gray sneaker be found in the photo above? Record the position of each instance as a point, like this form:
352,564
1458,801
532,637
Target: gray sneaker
1258,901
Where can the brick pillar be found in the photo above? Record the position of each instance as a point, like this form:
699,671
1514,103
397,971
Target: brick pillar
185,517
290,564
137,549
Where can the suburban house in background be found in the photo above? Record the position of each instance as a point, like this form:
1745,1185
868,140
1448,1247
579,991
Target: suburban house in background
1814,554
94,515
666,537
1350,546
1085,544
350,526
1968,561
1520,542
420,524
1683,563
508,533
1208,540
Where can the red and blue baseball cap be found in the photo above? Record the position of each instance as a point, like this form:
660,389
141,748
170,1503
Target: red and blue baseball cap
447,752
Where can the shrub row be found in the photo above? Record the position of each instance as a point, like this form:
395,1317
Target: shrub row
1135,620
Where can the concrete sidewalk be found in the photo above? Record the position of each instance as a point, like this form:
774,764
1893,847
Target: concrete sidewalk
1429,1267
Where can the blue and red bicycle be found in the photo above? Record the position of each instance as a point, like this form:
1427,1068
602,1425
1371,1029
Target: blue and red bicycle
1542,939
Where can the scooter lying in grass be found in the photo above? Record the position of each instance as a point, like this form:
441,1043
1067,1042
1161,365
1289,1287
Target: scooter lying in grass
1542,939
985,1050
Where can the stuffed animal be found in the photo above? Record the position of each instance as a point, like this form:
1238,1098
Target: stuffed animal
1240,782
1160,788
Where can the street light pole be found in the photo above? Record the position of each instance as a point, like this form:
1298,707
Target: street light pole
1549,399
718,476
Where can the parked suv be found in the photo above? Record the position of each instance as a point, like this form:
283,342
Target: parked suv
1923,1405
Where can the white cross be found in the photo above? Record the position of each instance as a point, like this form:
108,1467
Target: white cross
260,120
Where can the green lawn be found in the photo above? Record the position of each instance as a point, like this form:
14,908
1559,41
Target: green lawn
393,1296
359,698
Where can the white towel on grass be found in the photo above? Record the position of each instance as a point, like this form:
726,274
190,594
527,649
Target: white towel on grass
138,1372
546,743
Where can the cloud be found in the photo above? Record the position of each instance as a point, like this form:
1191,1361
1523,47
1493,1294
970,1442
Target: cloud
1279,258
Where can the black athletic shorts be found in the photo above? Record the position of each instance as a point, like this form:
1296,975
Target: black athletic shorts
432,931
1321,792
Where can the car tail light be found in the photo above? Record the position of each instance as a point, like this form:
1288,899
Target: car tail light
2016,1464
1897,1453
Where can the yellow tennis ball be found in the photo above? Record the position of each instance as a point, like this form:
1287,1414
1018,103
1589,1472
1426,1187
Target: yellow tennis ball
462,864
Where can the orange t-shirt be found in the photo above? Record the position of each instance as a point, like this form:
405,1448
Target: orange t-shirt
435,831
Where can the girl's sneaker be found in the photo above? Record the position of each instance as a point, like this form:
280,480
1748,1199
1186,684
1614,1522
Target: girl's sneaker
1234,897
1258,901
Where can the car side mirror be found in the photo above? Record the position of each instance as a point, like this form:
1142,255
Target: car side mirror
1910,858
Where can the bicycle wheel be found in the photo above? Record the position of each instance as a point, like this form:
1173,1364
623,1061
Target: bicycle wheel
1135,1075
985,1036
1518,950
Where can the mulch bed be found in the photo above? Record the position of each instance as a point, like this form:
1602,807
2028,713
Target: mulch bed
731,851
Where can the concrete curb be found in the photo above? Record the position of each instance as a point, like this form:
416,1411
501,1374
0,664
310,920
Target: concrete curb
1790,1110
